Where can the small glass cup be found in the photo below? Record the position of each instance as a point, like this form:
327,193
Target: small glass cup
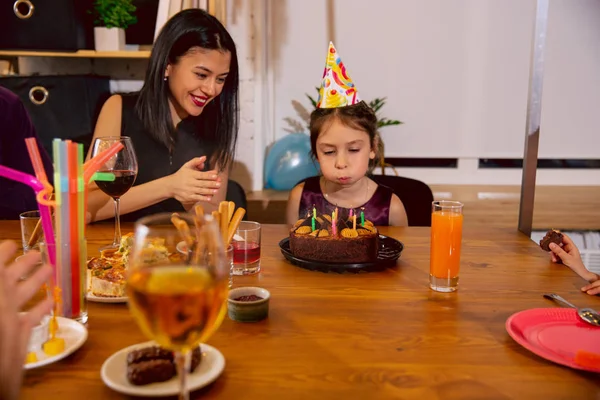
446,238
246,249
29,222
229,258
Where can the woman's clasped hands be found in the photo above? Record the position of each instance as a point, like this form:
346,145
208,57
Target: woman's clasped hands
190,184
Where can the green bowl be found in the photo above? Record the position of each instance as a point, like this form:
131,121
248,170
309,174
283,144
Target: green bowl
248,310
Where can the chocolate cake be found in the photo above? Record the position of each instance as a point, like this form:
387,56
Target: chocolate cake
344,244
551,236
155,364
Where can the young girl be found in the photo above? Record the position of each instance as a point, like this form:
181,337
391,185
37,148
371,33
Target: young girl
343,137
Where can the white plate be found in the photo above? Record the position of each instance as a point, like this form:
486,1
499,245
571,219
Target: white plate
101,299
114,373
74,334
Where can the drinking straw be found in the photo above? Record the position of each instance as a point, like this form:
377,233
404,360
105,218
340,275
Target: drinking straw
37,231
73,225
94,164
65,261
81,231
36,159
101,176
45,215
40,174
57,209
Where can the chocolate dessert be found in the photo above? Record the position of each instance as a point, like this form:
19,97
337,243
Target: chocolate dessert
155,364
150,371
344,243
551,236
149,353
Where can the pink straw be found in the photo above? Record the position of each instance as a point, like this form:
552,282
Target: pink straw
45,214
36,159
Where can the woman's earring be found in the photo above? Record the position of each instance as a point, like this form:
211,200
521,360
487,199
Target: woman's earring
165,79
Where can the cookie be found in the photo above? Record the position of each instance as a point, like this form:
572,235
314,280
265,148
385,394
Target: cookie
551,236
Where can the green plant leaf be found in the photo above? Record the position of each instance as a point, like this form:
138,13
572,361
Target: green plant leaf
312,101
114,13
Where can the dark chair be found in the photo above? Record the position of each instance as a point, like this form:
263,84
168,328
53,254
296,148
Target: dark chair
415,195
236,193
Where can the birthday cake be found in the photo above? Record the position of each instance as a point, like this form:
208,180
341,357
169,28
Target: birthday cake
316,238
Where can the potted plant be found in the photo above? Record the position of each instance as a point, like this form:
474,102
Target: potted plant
112,17
375,104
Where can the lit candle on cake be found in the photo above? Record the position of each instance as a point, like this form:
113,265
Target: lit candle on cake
354,222
362,216
314,217
351,212
334,222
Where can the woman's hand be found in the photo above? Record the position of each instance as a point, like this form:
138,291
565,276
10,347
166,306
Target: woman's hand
190,185
15,329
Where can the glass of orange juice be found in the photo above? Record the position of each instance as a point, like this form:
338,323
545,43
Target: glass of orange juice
446,237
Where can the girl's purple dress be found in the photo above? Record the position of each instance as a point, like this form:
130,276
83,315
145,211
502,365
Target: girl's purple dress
377,209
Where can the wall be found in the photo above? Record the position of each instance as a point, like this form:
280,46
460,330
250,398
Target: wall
456,73
128,75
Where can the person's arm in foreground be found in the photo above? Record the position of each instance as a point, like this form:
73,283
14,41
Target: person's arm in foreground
15,328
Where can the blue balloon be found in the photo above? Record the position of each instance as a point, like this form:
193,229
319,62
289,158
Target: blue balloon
289,161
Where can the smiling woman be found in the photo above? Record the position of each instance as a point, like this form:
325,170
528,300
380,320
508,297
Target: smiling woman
183,123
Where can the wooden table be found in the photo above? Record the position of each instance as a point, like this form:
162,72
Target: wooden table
371,335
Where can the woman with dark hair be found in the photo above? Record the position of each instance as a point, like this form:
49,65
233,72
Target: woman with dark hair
183,123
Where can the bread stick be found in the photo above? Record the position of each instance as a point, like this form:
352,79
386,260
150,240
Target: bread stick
199,210
183,228
234,223
199,218
224,221
224,208
217,217
231,206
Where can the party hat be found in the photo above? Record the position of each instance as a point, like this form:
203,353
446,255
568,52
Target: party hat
337,88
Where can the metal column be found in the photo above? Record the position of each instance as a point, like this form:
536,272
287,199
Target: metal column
534,111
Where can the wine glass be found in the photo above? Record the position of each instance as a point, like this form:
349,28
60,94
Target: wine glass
178,297
124,167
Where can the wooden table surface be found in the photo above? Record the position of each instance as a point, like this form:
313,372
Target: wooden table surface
370,335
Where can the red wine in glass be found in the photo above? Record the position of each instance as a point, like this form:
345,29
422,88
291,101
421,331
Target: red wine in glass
245,252
124,180
123,166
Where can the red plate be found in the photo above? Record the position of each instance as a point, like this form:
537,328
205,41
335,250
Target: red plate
556,334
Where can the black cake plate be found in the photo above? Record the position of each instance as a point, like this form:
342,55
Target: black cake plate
389,252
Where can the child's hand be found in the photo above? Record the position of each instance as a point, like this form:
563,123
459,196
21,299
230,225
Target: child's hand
593,288
569,255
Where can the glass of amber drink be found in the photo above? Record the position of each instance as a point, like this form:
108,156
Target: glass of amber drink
178,298
446,237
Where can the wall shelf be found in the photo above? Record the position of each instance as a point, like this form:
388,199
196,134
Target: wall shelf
77,54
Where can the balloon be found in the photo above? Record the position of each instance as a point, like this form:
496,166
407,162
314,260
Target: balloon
289,161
